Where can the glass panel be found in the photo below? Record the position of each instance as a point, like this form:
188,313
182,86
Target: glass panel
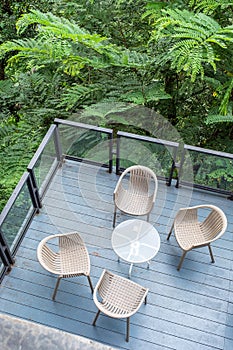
86,144
210,170
153,155
45,165
18,217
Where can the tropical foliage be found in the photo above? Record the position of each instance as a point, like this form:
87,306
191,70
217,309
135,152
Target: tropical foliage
59,58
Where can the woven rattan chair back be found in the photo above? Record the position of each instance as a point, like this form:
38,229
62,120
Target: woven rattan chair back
64,255
118,297
194,231
135,192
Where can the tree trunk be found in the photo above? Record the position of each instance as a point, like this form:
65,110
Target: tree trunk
2,70
170,83
6,7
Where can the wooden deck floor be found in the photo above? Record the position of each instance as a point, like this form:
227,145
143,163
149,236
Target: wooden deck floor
191,309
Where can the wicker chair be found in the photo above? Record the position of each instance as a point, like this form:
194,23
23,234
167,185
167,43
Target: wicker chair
71,259
119,297
135,191
191,233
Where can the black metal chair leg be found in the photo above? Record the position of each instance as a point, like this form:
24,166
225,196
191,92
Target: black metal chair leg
114,217
90,283
170,232
56,287
127,331
95,319
181,260
211,254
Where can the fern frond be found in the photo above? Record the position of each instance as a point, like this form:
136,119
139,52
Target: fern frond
188,60
34,51
152,92
215,83
47,20
102,112
209,6
217,118
77,94
193,40
6,86
64,29
13,157
103,109
225,104
132,59
136,97
74,64
5,130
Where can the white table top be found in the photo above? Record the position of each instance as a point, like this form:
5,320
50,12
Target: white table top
135,241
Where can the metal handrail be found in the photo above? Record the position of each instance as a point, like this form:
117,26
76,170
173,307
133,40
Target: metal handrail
7,253
99,129
165,143
51,133
204,151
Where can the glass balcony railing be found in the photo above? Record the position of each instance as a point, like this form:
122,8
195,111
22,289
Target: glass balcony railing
15,218
86,142
159,155
26,198
45,161
19,213
211,170
191,166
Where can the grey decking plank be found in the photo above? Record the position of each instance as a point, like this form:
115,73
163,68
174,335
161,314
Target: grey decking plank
191,309
83,316
207,281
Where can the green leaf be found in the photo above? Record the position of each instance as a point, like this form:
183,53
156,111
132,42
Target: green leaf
193,40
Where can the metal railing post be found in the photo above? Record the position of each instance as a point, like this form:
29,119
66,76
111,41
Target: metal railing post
118,155
108,132
110,137
34,190
5,253
174,166
34,193
57,143
179,167
171,173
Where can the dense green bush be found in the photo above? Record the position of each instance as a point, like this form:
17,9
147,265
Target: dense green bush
58,57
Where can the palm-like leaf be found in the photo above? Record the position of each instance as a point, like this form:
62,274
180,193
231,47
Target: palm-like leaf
217,118
226,106
77,94
152,92
101,112
63,44
222,93
194,40
210,6
36,52
64,29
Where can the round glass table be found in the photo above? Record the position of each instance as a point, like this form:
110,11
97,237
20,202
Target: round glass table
135,241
